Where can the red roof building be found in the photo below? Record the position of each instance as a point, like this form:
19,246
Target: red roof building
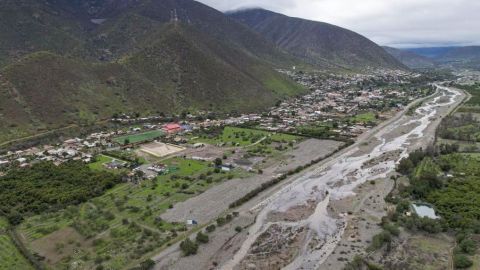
172,128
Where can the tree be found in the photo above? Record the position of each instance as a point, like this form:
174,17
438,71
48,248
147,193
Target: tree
405,167
126,141
188,247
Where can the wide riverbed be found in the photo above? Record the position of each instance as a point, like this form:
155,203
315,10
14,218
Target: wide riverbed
316,232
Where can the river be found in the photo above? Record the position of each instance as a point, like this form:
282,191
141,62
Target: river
336,181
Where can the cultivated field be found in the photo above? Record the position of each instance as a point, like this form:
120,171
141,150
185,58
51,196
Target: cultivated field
10,257
234,136
122,226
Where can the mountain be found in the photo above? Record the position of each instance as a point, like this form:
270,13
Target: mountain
456,57
66,62
430,52
316,42
411,59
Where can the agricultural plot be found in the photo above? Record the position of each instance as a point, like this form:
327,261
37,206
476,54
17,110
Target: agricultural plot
234,136
10,257
364,118
138,138
123,226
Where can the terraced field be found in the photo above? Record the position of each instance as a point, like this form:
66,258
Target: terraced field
10,257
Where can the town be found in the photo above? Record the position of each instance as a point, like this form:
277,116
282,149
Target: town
337,106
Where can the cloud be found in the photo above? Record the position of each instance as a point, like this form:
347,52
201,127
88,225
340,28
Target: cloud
400,23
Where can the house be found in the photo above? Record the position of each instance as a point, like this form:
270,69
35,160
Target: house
172,128
114,164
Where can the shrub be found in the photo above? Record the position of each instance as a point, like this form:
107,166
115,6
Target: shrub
461,261
201,238
188,247
468,246
221,221
210,228
379,240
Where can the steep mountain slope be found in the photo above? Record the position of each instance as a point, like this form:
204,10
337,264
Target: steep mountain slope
319,43
64,62
410,59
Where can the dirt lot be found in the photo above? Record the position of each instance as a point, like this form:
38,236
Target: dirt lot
59,244
158,149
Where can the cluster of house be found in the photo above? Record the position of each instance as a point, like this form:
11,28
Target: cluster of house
331,97
57,154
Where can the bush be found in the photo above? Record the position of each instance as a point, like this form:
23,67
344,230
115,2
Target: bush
461,261
379,240
468,246
221,221
147,264
238,229
392,229
188,247
210,228
201,238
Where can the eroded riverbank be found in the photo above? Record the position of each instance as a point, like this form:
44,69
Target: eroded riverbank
328,213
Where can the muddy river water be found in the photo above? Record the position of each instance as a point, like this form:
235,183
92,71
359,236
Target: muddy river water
337,180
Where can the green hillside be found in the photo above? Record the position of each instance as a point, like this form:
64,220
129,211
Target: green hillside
75,62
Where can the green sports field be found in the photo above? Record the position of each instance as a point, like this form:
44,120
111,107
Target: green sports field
141,137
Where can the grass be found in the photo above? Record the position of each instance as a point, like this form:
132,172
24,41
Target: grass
124,220
3,224
244,137
364,117
99,164
142,137
10,257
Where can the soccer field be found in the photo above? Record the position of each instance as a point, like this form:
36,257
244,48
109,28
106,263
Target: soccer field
141,137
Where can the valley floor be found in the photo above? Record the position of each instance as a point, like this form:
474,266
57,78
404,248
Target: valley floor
354,218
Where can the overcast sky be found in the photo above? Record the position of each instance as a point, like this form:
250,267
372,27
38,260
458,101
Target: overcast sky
398,23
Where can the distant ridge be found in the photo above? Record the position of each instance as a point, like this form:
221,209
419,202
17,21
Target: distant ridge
411,59
316,42
456,57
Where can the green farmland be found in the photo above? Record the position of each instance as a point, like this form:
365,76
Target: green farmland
234,136
122,226
141,137
10,257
